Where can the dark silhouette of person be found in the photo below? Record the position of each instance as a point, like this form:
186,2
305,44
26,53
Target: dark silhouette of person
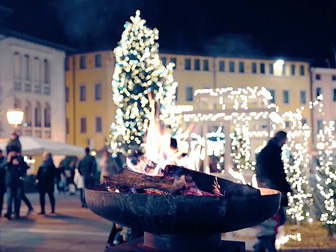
15,172
87,167
270,174
2,180
14,143
45,179
24,198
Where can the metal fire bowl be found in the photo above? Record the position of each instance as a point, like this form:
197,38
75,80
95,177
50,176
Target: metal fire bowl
183,215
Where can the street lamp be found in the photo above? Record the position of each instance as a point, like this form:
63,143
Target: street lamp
14,116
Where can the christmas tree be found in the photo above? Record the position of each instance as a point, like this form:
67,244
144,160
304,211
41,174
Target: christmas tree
139,74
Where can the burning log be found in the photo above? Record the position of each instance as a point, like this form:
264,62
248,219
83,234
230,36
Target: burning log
176,180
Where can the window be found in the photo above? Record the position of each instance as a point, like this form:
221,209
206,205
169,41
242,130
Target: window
221,66
67,126
82,93
302,70
189,94
205,65
262,68
37,70
271,68
303,97
37,115
287,124
272,91
317,77
26,68
197,64
176,93
28,114
66,64
284,69
67,94
99,124
319,125
17,66
241,67
173,60
46,71
83,125
231,67
187,64
304,121
164,61
98,60
292,69
47,116
98,91
318,91
334,77
82,62
334,96
285,94
254,67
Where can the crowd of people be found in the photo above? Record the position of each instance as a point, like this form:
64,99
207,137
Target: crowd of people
70,176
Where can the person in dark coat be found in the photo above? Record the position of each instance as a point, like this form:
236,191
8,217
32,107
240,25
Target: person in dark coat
24,198
271,174
45,179
87,167
15,172
2,180
14,143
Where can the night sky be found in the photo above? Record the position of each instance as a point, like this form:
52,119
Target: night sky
294,29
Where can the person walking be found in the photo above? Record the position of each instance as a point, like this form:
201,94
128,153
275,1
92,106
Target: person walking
14,174
45,178
87,167
24,198
2,180
108,166
271,174
79,181
70,174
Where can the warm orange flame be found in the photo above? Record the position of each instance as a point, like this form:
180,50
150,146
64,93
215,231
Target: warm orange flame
158,149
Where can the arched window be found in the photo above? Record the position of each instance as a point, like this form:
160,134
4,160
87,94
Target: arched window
47,115
28,114
26,68
46,71
37,70
17,66
37,115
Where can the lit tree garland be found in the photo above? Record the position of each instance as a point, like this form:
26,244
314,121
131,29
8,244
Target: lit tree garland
325,172
296,159
139,72
240,147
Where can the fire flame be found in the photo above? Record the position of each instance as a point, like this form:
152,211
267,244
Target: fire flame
159,151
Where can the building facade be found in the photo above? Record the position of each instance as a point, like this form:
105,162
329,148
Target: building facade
323,83
32,79
90,108
288,82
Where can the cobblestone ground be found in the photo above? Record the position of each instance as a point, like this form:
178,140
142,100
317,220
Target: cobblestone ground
72,228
